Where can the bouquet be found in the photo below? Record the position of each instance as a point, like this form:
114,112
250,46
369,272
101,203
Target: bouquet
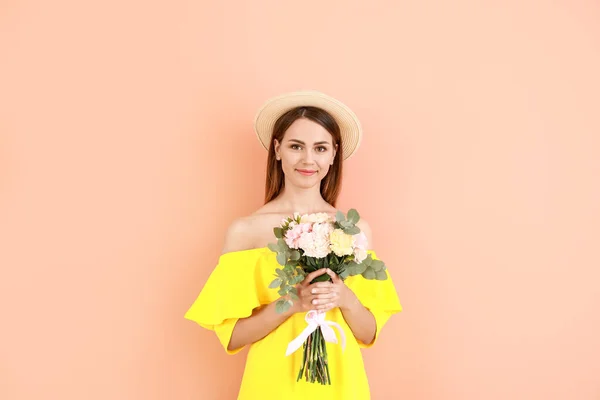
306,243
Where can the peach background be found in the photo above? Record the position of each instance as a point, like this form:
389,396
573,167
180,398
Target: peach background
126,147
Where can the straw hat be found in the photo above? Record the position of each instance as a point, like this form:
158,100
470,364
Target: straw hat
350,128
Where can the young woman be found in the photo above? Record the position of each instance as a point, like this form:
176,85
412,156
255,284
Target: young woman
308,136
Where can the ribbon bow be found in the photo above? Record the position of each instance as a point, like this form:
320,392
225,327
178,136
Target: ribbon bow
316,320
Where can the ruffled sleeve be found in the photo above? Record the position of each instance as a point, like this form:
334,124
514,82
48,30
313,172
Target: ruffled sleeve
232,291
379,297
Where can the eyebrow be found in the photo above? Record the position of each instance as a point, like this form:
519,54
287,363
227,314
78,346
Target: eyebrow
301,142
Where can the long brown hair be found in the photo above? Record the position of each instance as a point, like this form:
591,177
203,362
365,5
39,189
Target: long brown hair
332,183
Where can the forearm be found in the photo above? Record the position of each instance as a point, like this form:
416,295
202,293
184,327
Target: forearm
255,327
360,320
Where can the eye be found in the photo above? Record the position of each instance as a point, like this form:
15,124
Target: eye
322,149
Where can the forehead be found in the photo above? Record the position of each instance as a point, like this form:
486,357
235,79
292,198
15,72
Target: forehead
307,131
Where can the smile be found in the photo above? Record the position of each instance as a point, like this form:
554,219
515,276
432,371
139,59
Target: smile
306,172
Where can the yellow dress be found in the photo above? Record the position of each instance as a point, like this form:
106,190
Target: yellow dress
240,283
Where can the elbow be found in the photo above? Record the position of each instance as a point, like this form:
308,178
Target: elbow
368,339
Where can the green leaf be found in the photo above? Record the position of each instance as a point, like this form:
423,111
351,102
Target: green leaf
280,273
355,268
276,282
344,273
377,265
281,306
369,274
282,246
381,275
284,291
346,224
367,261
352,230
353,216
295,255
278,232
274,247
281,258
339,216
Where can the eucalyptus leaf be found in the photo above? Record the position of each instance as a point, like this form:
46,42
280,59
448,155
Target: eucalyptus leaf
381,275
339,216
354,230
367,261
344,273
273,247
369,273
281,258
295,255
281,306
377,265
276,282
353,216
280,273
283,291
346,224
278,232
282,246
356,269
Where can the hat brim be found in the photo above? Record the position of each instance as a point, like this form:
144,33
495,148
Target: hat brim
350,127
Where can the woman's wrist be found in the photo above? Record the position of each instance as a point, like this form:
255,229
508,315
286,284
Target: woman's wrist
350,300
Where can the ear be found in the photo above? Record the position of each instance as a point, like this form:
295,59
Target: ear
276,146
334,153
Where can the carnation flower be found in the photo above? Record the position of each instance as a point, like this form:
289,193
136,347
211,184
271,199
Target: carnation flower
316,243
341,243
317,218
292,236
360,247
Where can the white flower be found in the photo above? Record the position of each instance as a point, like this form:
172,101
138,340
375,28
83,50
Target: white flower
359,255
316,218
316,243
341,243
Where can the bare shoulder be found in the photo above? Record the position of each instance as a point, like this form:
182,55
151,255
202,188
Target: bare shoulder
249,232
364,227
236,237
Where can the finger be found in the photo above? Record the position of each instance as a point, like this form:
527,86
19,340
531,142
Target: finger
334,277
326,284
330,295
314,274
320,289
325,307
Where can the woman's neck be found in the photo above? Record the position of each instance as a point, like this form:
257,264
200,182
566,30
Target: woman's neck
303,201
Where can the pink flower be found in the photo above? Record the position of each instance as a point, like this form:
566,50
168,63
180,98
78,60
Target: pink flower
316,243
292,236
360,247
360,240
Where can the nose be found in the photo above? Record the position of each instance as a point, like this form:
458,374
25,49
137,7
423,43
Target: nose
307,156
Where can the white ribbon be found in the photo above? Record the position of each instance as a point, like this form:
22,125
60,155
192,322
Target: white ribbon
315,320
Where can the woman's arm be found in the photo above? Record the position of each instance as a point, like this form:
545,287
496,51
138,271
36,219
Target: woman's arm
262,322
360,320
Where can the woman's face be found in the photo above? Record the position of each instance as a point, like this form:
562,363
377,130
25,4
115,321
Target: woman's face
306,152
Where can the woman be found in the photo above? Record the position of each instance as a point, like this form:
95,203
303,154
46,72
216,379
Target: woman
308,136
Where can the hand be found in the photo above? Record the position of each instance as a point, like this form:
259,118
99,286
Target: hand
323,296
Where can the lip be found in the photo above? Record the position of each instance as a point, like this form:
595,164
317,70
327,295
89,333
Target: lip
306,172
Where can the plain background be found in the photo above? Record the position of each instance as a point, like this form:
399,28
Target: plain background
126,148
